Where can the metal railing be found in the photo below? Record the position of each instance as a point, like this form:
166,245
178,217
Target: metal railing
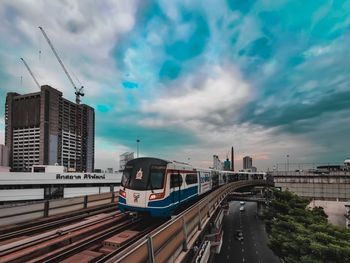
23,213
170,241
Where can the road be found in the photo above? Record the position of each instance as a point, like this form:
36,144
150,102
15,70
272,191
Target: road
253,249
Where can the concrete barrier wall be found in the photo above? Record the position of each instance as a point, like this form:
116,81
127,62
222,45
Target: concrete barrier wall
24,213
166,242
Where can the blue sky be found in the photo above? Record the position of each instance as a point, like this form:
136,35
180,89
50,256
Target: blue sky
191,78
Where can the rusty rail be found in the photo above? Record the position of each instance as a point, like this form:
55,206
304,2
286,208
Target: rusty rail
168,242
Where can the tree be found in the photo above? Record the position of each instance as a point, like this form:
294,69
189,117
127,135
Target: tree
300,234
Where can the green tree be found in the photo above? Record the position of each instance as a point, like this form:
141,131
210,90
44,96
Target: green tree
300,234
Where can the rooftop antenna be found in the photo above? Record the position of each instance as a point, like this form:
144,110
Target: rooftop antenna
30,72
78,91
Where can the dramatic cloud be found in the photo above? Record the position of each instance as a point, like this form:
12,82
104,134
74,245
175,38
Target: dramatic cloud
214,94
192,78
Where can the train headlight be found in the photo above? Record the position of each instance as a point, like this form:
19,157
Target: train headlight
156,196
122,193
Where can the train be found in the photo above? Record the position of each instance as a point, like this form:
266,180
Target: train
159,187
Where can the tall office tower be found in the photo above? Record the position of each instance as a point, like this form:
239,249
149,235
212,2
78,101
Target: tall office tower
232,159
247,162
45,128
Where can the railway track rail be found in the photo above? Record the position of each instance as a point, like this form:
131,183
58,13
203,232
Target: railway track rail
142,234
23,230
69,243
68,251
30,248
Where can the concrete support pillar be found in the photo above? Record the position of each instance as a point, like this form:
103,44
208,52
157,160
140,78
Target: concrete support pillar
46,208
86,201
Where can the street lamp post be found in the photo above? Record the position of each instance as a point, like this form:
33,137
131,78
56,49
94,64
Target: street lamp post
137,142
287,162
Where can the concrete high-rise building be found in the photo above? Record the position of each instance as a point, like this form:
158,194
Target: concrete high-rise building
124,158
4,155
232,159
45,128
217,164
247,162
227,165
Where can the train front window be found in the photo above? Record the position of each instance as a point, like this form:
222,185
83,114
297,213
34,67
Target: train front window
144,174
156,178
126,175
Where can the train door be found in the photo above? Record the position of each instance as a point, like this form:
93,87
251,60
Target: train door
175,187
179,176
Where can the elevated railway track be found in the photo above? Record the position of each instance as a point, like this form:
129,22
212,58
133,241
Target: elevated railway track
174,240
104,236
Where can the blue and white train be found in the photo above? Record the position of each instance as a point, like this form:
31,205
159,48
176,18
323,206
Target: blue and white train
158,187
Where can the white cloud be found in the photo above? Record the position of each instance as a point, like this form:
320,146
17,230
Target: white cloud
206,107
107,153
266,146
83,32
212,94
318,51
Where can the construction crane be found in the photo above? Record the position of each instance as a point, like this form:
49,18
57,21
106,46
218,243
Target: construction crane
78,91
30,72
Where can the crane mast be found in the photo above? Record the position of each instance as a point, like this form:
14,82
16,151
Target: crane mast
30,72
78,92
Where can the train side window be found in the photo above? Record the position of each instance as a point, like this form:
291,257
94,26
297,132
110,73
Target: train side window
175,180
191,179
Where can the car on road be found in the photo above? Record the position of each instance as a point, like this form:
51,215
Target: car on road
241,209
242,203
239,235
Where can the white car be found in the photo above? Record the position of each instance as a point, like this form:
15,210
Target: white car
239,235
241,209
242,203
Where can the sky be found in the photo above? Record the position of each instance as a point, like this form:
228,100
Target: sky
192,78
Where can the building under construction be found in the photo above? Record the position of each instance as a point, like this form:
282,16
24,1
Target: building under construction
45,128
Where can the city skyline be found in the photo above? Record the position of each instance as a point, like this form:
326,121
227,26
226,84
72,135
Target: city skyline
190,79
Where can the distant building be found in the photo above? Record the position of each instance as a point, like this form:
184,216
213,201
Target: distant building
227,165
124,158
347,163
232,159
217,164
43,128
336,167
247,162
4,156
